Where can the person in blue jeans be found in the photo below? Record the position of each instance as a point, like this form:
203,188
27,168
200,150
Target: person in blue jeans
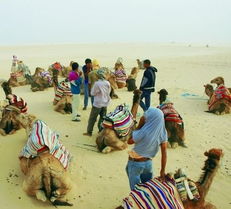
147,84
149,136
87,68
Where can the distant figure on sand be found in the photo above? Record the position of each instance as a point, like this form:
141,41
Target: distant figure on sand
101,92
87,68
75,80
148,84
149,136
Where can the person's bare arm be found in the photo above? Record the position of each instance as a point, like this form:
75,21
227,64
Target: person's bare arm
141,123
163,159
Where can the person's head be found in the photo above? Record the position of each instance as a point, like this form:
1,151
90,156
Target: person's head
75,66
147,63
95,64
154,115
88,63
102,73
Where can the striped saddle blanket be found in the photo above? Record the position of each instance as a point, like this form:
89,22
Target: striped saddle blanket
121,76
121,120
42,137
170,114
18,76
153,195
18,102
221,92
47,75
63,89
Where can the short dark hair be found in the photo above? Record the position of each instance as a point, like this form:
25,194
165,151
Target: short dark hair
75,66
148,62
87,61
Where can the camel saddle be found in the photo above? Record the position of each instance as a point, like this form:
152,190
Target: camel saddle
121,120
63,89
221,92
18,102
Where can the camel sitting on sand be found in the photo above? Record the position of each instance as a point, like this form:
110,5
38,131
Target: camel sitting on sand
41,80
63,96
158,194
17,79
109,139
44,161
7,123
173,121
219,99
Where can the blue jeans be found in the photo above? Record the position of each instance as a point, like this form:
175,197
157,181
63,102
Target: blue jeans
86,94
139,172
146,95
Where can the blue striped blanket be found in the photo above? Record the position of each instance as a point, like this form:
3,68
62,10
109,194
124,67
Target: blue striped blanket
41,137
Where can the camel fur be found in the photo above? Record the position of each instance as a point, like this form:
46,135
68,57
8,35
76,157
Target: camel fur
107,140
176,135
210,169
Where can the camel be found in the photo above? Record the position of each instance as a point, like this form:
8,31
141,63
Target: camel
219,99
63,96
210,169
46,174
41,80
108,140
17,79
120,75
173,121
131,81
7,123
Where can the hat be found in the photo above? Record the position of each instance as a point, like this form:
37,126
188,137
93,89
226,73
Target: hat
102,72
95,64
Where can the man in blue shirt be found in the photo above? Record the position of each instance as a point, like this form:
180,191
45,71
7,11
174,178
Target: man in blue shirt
87,68
148,84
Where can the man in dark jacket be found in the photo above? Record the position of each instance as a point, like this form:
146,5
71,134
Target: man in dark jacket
148,84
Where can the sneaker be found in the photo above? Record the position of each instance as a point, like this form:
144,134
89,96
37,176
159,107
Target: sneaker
87,134
85,108
76,120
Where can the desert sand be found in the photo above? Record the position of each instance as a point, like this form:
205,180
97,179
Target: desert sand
100,180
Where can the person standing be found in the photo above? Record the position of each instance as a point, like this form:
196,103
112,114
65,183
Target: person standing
101,92
86,70
149,136
147,84
75,78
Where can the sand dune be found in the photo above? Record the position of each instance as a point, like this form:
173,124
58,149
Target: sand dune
100,180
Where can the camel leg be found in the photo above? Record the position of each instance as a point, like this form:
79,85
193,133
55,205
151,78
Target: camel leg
59,107
118,145
2,132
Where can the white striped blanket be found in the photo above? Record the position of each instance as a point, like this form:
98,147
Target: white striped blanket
42,137
63,89
47,75
153,195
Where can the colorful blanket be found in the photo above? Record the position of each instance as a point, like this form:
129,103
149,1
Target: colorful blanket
63,89
221,92
153,195
18,102
47,75
18,76
42,137
120,76
121,120
170,114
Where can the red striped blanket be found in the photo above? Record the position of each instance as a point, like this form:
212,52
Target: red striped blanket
221,92
41,137
63,89
18,102
170,114
153,195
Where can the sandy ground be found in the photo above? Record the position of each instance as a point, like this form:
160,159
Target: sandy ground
100,180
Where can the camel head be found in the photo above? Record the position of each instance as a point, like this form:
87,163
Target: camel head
215,154
6,88
38,70
25,120
135,71
162,95
209,90
218,80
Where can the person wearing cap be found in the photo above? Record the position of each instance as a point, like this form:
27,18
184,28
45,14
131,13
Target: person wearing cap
76,81
147,84
87,68
101,92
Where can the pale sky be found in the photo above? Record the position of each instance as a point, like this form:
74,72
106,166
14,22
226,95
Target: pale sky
89,21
